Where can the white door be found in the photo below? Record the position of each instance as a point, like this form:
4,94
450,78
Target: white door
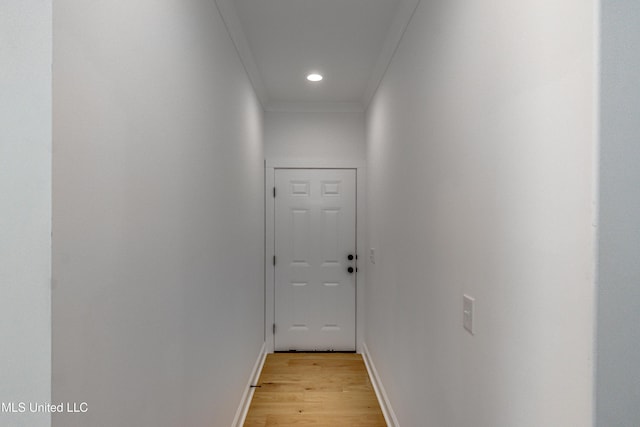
315,281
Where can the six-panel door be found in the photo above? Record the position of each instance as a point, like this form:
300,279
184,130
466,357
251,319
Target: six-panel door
315,232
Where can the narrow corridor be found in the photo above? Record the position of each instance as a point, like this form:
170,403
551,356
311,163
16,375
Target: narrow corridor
162,164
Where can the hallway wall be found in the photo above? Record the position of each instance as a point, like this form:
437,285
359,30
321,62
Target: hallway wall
25,208
316,139
618,376
317,136
158,215
481,142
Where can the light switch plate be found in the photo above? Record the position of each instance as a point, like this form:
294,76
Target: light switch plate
467,313
372,255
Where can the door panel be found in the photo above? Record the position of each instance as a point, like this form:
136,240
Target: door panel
315,295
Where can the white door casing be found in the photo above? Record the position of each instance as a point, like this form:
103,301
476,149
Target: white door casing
315,232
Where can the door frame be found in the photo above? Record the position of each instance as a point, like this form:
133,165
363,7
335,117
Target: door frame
269,227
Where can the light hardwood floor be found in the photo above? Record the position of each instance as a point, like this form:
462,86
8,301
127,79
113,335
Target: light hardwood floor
314,389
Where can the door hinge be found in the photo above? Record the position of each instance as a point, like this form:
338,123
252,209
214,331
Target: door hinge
274,191
274,260
274,329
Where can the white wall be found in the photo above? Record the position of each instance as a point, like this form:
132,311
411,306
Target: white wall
316,136
480,155
618,375
158,215
315,139
25,207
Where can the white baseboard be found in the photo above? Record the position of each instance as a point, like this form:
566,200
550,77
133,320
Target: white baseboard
383,400
245,402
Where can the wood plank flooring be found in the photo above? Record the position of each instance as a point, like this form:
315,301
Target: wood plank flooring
314,389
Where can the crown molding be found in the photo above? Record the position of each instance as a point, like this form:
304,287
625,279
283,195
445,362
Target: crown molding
391,43
315,107
230,18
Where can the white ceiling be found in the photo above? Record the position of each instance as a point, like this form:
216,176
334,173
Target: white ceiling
349,42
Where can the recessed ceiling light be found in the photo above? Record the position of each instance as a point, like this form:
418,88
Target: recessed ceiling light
314,77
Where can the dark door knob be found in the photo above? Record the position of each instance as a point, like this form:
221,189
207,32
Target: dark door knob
350,257
350,270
